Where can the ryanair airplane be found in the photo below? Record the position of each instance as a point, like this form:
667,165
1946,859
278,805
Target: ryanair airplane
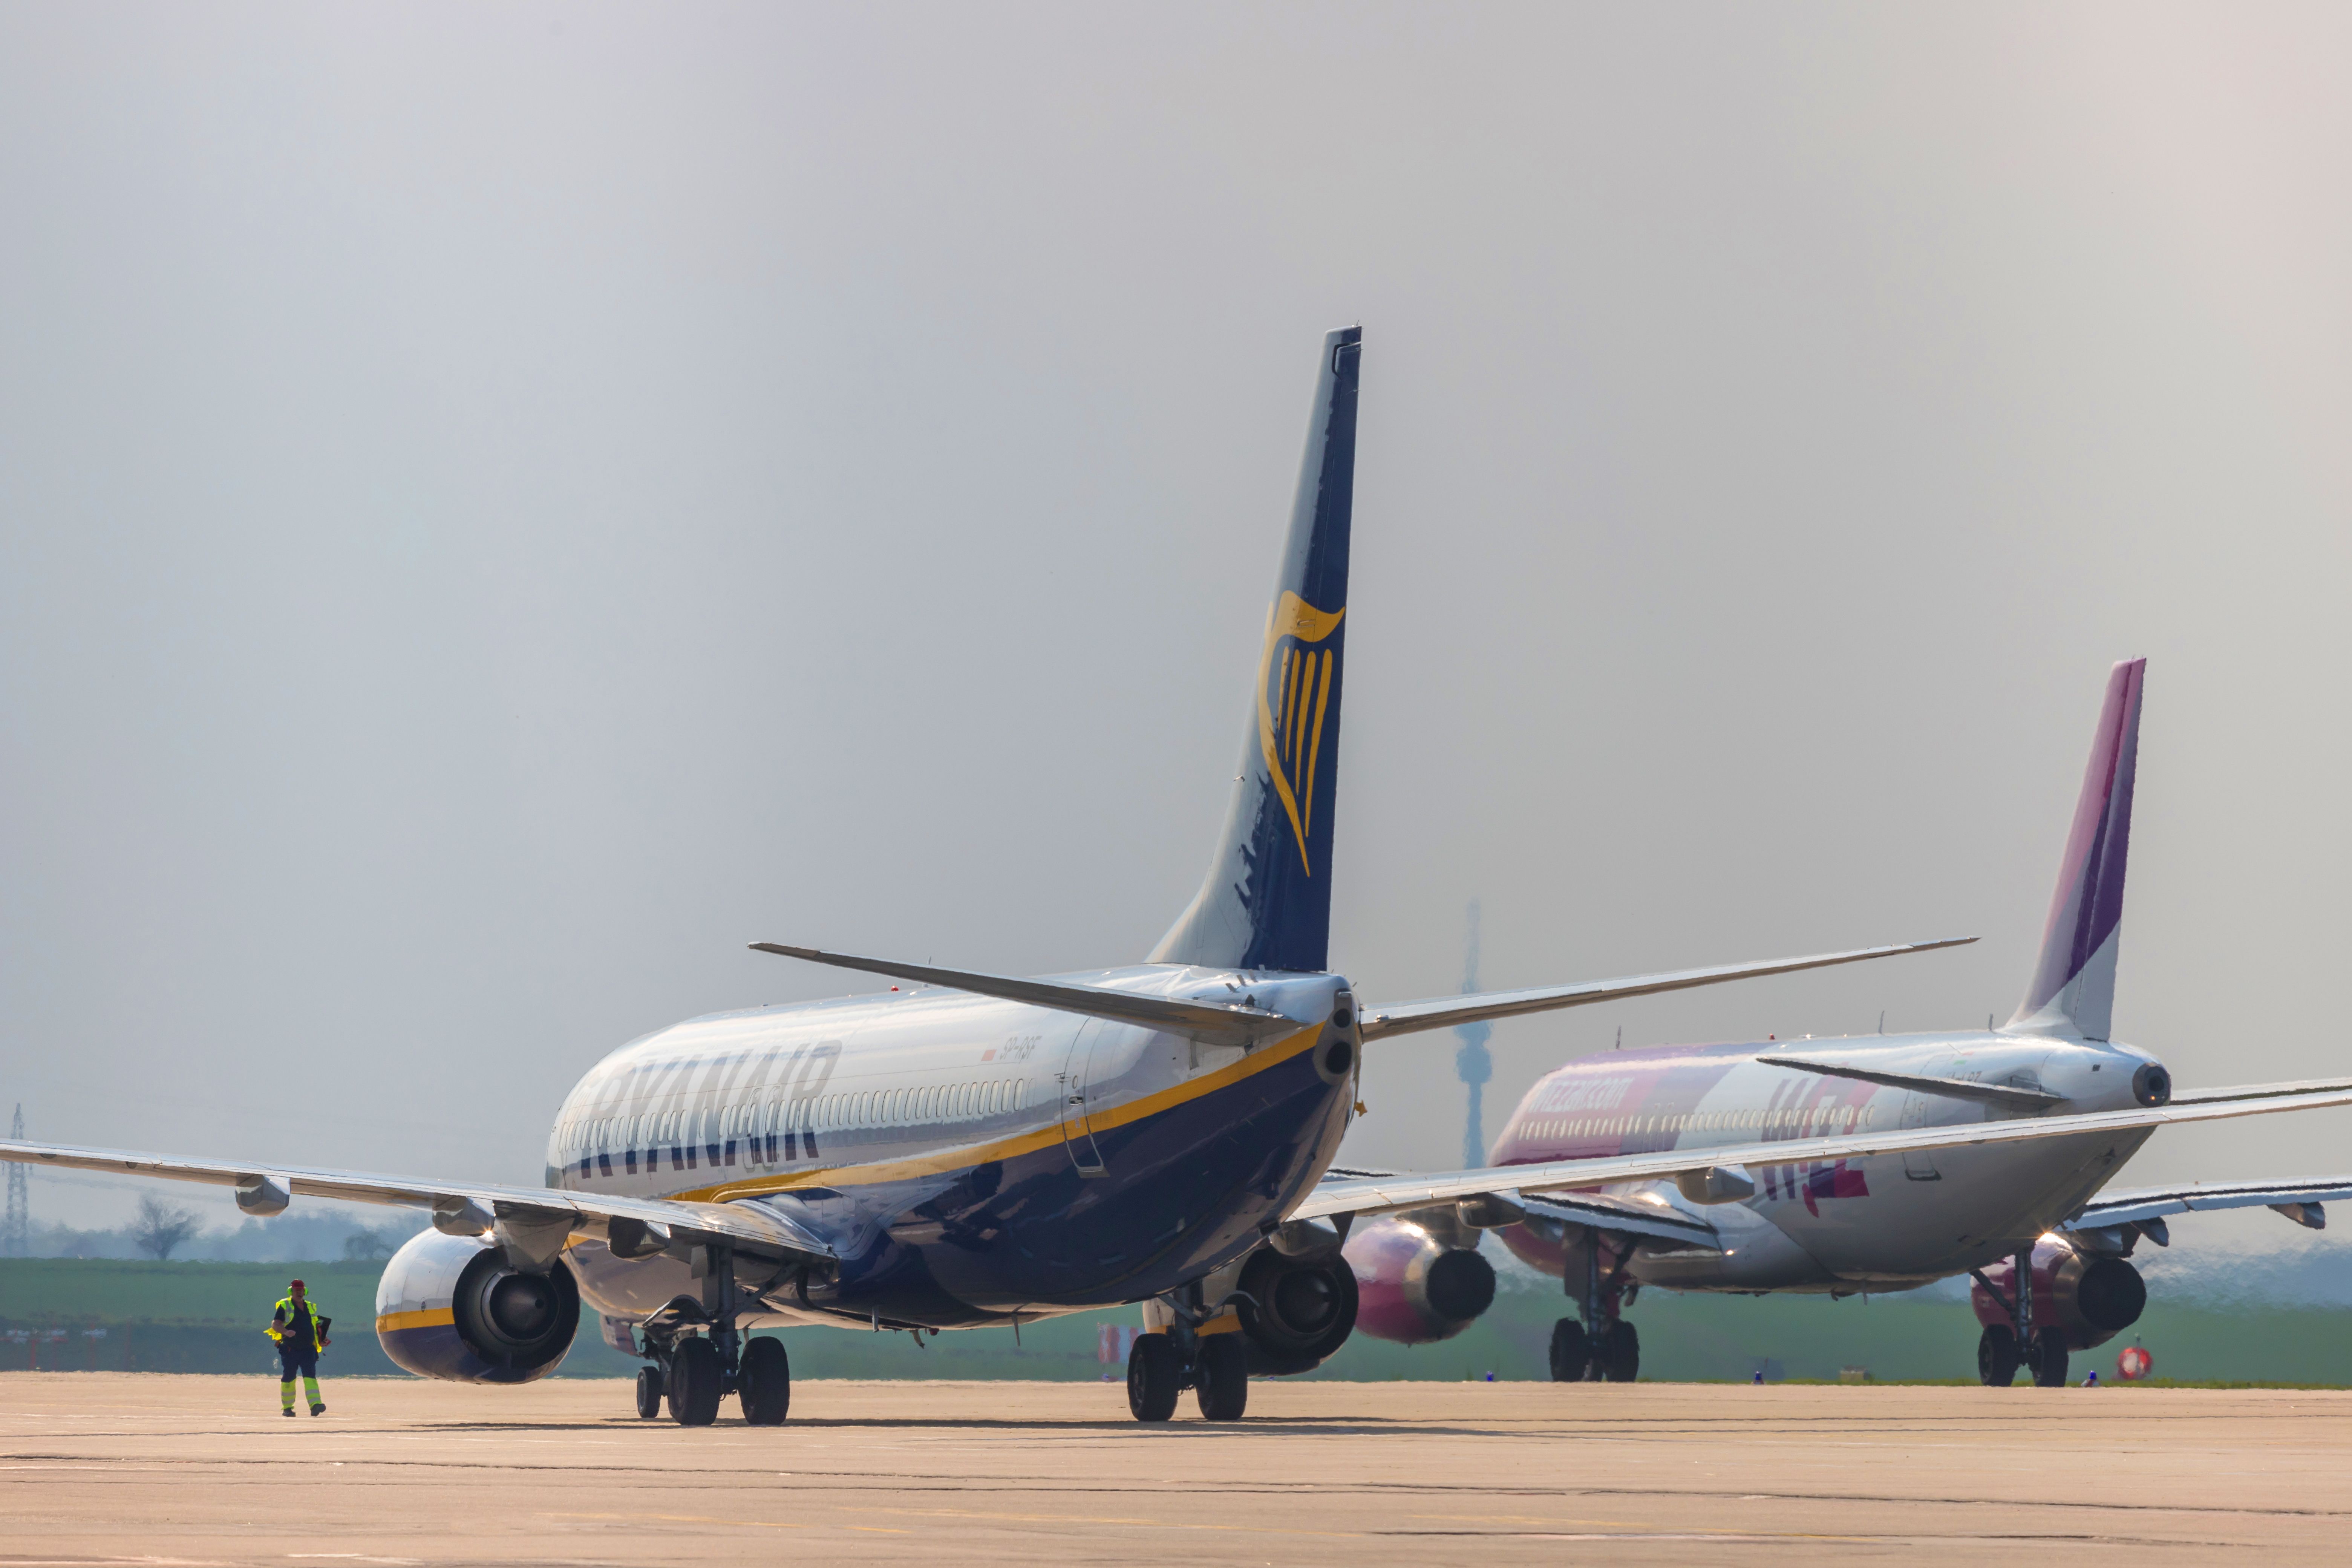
978,1151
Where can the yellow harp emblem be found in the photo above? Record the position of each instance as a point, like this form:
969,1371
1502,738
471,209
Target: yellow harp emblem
1294,694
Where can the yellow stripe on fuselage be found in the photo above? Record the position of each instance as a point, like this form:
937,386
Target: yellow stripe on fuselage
431,1318
1017,1144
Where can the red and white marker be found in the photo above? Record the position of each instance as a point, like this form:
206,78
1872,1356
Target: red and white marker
2133,1364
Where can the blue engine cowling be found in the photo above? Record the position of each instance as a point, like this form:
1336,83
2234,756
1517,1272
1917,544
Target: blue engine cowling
451,1307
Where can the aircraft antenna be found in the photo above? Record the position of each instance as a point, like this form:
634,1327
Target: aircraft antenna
1472,1062
16,1230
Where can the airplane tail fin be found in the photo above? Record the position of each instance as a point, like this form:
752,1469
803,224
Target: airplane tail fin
2073,985
1266,900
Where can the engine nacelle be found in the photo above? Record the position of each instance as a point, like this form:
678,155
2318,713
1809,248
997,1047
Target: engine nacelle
1415,1287
2090,1296
451,1307
1299,1311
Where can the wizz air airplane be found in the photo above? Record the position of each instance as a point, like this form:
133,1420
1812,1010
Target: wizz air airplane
976,1151
1758,1222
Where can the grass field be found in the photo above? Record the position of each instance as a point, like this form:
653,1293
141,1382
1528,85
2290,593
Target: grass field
207,1316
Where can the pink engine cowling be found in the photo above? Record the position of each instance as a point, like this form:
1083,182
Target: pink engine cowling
2090,1297
1411,1287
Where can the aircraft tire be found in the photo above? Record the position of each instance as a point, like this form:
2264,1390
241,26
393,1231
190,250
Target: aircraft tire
2050,1358
1153,1375
649,1392
1997,1356
1572,1352
1220,1380
764,1385
1620,1358
695,1378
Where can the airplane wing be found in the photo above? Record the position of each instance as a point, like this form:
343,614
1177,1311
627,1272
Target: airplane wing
1398,1194
2300,1201
1604,1211
536,1221
1639,1217
1445,1012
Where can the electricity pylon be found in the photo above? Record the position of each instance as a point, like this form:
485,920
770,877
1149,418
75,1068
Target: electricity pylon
16,1230
1472,1062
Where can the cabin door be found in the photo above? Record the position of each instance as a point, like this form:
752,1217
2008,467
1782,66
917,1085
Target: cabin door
1919,1164
1078,1088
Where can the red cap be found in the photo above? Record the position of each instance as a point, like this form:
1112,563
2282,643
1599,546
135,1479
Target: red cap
297,1285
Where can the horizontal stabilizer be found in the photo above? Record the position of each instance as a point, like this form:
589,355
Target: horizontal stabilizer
1372,1195
1445,1012
2258,1090
2009,1097
1209,1023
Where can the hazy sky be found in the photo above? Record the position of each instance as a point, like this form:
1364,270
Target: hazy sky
501,506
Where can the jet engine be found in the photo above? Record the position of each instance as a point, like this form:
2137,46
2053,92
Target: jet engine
1295,1310
1416,1287
451,1307
2089,1295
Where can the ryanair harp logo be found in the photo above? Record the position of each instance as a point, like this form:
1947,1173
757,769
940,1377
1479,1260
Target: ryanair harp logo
1294,695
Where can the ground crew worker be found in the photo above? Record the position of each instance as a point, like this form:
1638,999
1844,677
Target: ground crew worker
301,1334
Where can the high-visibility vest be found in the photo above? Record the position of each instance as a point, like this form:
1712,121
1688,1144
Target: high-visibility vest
318,1323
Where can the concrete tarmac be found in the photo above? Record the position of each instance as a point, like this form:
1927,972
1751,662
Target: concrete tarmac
152,1469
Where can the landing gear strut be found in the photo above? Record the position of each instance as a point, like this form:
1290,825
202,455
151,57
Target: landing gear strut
1602,1347
2003,1348
699,1356
1197,1348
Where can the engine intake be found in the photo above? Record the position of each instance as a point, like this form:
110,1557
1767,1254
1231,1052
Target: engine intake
451,1307
1415,1288
2090,1296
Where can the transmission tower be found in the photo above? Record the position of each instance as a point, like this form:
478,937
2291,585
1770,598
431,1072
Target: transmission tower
1472,1062
16,1230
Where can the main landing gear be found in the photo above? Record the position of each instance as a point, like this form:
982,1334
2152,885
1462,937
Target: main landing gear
1604,1347
2003,1348
699,1357
1200,1351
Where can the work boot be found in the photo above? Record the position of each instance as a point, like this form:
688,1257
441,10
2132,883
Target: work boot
288,1413
318,1410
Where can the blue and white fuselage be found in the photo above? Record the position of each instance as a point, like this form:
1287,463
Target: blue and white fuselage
972,1159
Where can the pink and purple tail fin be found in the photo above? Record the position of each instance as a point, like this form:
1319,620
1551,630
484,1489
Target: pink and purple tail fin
2074,983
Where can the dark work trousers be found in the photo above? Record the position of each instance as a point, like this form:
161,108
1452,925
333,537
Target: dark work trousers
291,1359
